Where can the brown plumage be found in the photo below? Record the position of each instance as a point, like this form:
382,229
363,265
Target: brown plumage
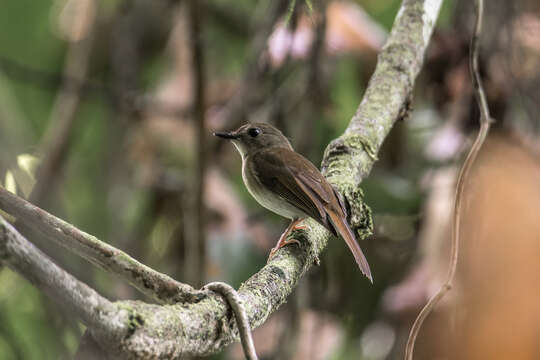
288,184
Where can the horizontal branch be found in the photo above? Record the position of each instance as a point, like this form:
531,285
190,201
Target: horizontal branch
156,285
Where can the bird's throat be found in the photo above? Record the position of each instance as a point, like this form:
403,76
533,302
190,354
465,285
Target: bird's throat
241,149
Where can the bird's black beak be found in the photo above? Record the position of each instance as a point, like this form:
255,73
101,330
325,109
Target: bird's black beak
226,135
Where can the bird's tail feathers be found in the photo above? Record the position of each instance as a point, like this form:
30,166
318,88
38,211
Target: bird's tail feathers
346,233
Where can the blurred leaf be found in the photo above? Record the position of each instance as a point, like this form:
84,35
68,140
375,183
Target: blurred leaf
10,183
28,163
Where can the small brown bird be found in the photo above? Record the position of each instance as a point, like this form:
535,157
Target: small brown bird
288,184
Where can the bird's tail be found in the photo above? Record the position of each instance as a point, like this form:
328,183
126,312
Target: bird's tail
346,233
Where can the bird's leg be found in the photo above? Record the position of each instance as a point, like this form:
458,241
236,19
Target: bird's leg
283,238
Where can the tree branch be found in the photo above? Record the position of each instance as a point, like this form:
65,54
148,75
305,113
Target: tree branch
21,256
150,282
205,327
386,97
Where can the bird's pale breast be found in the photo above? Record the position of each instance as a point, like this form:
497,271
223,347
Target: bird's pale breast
267,198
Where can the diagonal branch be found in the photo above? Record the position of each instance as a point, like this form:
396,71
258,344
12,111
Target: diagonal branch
387,95
23,257
150,282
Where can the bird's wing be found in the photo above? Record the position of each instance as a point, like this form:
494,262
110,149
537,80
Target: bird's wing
280,175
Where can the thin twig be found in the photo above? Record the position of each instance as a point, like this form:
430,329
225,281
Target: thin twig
485,122
242,322
150,282
485,118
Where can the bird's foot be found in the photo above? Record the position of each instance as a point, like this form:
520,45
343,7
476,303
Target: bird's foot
282,244
283,238
298,227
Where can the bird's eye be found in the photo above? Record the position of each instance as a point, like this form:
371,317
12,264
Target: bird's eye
253,132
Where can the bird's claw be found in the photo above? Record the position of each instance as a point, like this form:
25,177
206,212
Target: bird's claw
299,227
282,244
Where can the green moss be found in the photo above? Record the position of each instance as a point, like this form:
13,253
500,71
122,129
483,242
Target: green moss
135,319
361,215
370,147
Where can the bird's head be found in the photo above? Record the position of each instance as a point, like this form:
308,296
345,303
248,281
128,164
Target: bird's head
252,137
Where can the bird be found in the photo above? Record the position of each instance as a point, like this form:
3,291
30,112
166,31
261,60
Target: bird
286,183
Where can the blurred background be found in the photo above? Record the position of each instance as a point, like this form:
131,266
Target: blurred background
110,106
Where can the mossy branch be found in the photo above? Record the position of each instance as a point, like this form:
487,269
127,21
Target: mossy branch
156,285
349,158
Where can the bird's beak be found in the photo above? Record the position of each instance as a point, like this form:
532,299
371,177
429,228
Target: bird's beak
226,135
